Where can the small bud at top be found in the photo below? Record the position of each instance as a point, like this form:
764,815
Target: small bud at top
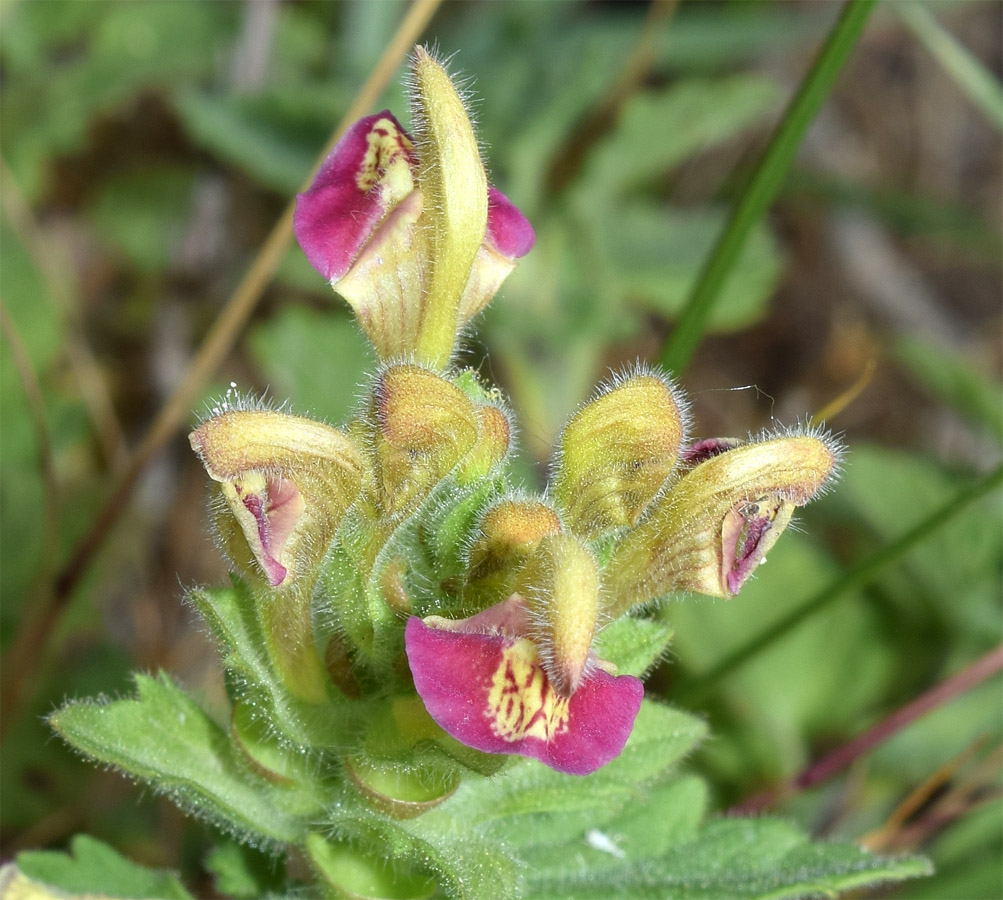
507,535
424,426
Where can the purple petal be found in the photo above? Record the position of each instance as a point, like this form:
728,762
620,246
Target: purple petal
702,450
360,182
509,231
748,533
490,692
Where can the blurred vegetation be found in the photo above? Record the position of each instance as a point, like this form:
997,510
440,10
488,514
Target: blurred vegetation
148,149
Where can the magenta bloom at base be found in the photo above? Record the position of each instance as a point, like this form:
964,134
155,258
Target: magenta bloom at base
487,687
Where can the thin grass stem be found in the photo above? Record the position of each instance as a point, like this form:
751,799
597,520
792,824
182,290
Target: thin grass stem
825,768
765,183
973,79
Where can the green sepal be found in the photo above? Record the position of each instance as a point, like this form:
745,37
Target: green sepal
232,618
634,645
345,869
164,738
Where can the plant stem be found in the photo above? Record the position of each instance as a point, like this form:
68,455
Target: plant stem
764,184
840,758
860,574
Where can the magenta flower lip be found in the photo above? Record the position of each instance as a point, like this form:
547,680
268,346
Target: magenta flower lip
370,171
348,198
487,688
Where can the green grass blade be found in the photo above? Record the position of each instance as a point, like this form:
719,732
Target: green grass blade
765,182
973,79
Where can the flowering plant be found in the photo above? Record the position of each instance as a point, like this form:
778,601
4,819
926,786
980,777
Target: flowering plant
435,677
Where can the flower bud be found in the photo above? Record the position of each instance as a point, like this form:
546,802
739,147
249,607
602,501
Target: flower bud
616,453
287,482
507,535
424,426
719,520
452,181
407,229
560,582
494,433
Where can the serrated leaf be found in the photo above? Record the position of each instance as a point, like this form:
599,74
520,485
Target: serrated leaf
654,820
532,804
736,859
91,868
164,738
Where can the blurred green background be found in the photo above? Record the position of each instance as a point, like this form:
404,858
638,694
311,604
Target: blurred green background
149,147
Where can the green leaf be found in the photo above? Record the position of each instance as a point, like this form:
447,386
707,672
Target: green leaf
665,814
274,137
468,864
143,214
797,687
956,569
94,868
657,130
653,254
634,645
533,804
244,873
350,870
956,381
231,615
734,859
164,738
123,48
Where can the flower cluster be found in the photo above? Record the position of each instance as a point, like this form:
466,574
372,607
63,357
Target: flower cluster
399,540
